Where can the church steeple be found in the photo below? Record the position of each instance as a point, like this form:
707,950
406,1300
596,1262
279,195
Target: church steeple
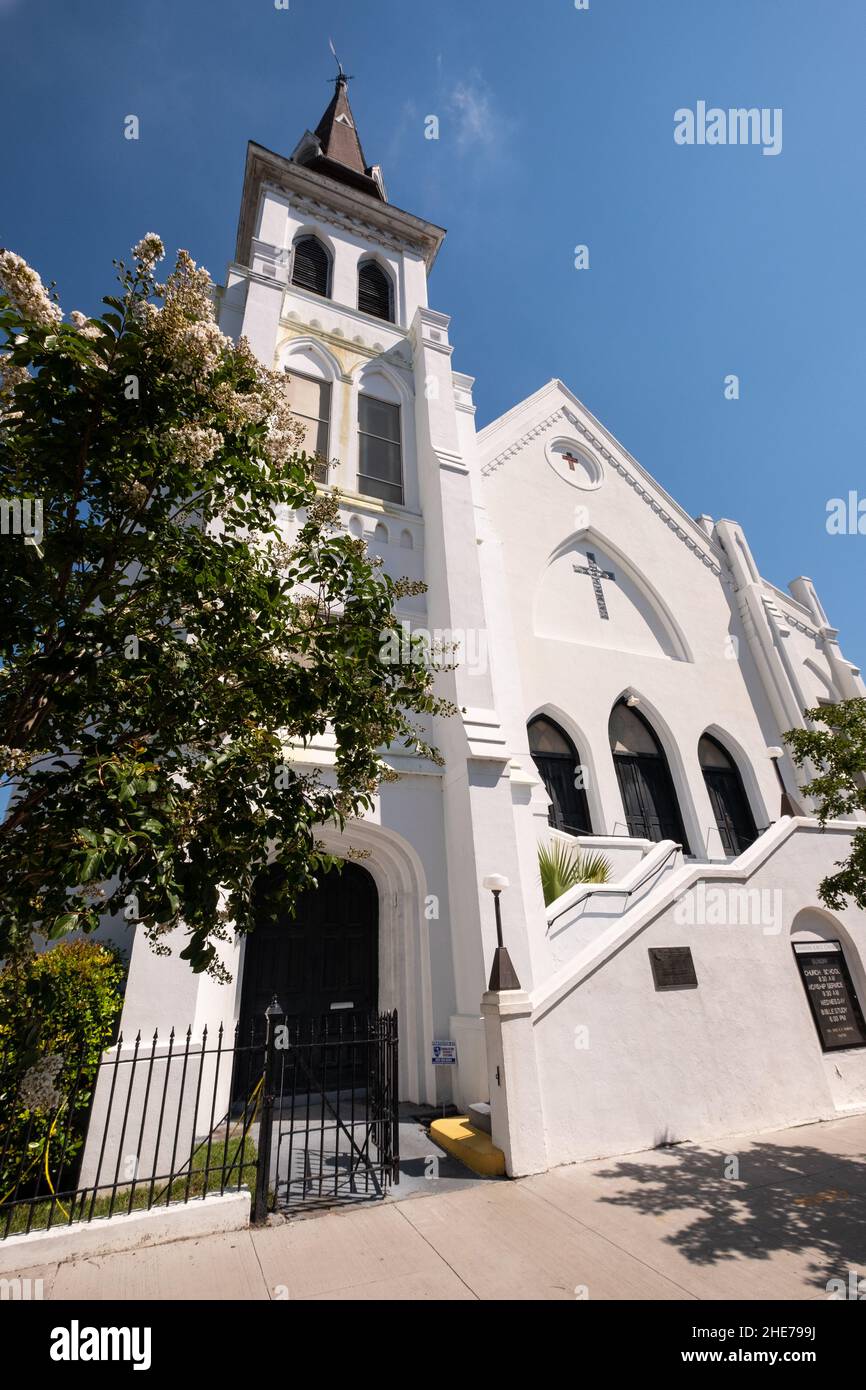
334,148
337,133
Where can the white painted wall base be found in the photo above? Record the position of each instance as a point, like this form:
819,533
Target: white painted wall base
84,1239
469,1083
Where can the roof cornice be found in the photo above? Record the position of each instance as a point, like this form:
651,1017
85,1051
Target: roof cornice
295,181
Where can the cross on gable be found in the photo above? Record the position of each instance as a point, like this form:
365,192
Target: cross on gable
570,459
596,575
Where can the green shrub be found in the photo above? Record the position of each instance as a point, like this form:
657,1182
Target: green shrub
58,1013
561,867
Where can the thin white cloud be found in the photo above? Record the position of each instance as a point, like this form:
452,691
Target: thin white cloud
480,126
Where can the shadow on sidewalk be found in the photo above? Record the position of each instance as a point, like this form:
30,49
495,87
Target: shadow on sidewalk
754,1203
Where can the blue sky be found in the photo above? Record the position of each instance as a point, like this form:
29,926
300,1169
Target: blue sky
556,129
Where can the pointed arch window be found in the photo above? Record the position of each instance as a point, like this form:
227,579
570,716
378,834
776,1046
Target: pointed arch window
649,799
310,401
561,771
375,291
311,266
734,820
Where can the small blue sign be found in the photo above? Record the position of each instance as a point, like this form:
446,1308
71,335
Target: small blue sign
445,1053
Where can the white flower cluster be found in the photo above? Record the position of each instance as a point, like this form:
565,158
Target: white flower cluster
148,251
239,408
184,328
26,291
38,1089
199,348
195,444
83,324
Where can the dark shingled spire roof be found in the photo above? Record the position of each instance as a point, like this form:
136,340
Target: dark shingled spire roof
336,130
335,150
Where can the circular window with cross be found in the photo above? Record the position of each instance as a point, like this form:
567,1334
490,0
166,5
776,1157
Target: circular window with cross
574,464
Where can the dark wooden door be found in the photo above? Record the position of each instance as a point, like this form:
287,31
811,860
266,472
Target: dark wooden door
733,815
569,810
322,958
649,798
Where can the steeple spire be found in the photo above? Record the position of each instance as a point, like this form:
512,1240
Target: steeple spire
334,148
336,131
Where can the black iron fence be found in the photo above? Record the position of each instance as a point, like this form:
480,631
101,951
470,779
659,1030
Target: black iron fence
293,1110
329,1110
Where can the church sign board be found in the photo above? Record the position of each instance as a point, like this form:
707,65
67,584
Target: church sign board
831,994
673,967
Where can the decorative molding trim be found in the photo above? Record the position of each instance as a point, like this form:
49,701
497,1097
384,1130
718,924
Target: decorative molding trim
788,619
321,212
521,443
642,491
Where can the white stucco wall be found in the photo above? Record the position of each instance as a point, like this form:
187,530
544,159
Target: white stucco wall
624,1067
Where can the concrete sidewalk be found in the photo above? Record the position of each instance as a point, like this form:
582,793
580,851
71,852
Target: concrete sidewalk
773,1216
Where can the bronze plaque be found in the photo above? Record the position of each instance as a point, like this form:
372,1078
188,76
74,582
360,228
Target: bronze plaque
673,967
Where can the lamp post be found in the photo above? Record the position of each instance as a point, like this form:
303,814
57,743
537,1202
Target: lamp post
788,809
502,973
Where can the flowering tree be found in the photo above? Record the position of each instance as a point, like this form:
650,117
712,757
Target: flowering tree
162,641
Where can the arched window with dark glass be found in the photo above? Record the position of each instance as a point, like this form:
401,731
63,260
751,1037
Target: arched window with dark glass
648,796
561,771
311,266
734,820
375,291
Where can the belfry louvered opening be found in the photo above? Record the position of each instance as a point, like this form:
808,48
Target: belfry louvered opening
311,266
374,292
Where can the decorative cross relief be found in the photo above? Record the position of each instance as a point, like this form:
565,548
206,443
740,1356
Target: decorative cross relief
596,575
570,460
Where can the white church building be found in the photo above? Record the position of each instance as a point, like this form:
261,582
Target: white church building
625,679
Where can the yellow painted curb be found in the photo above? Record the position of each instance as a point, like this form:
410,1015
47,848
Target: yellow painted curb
472,1146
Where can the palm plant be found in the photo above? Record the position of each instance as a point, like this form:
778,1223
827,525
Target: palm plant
562,866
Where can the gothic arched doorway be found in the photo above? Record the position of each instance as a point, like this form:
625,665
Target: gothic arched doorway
651,808
319,958
734,819
556,758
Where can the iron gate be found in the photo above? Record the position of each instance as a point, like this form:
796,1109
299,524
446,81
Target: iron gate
329,1131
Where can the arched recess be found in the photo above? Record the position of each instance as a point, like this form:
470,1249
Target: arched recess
563,772
643,622
405,981
404,946
376,289
576,736
317,957
312,263
730,803
380,383
308,354
816,924
315,395
649,796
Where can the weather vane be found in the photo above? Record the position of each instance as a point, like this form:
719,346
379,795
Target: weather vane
341,75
